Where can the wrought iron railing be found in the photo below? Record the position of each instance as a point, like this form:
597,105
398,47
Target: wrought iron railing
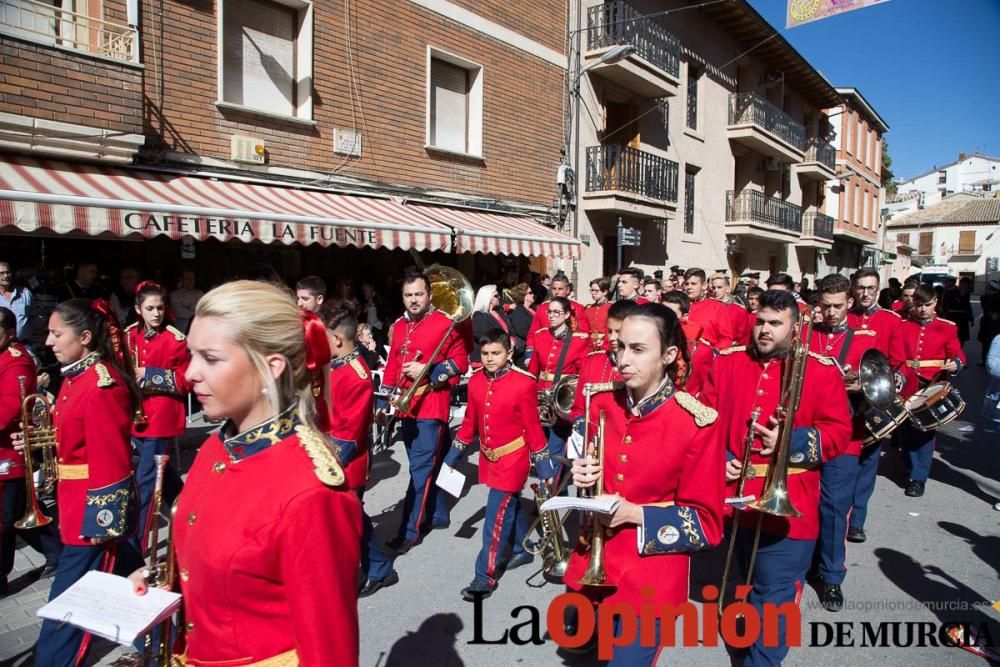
626,169
757,207
42,21
820,151
817,224
968,251
751,108
617,22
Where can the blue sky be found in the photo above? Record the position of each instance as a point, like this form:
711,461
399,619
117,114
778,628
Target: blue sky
931,69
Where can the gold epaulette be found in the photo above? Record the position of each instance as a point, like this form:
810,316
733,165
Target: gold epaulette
14,352
359,369
703,415
518,369
590,354
324,462
865,332
733,350
823,359
104,378
538,331
581,334
178,334
593,388
892,312
131,326
947,322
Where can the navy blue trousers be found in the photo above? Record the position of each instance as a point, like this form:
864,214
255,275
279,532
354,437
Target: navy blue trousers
864,487
634,654
557,435
426,441
505,524
780,567
838,478
374,564
918,447
61,644
145,480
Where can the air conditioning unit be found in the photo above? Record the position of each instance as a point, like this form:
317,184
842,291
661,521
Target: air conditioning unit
773,164
247,149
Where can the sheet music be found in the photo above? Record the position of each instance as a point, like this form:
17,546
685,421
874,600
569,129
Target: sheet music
106,605
451,481
598,505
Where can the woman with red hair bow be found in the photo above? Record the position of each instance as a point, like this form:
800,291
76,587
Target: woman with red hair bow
268,532
95,491
159,357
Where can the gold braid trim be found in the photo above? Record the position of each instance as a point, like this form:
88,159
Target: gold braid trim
104,378
518,369
325,463
178,334
14,352
733,350
687,525
703,415
108,498
359,369
826,361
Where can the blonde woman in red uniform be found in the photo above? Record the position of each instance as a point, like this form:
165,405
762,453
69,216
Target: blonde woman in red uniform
95,491
267,531
160,358
665,462
558,350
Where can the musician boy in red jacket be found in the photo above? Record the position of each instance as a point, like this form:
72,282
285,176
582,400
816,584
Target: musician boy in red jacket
749,379
160,358
711,315
351,408
415,336
833,338
925,348
578,314
701,354
503,413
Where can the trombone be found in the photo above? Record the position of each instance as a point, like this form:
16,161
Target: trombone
160,572
773,499
39,434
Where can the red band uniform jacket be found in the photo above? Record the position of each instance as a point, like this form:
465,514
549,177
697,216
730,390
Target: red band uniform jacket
597,321
15,362
829,342
268,549
742,381
93,418
715,319
352,399
919,349
598,367
541,321
885,324
415,340
503,412
165,356
668,458
548,349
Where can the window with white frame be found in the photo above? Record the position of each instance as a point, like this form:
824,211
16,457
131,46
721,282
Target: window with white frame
454,104
266,56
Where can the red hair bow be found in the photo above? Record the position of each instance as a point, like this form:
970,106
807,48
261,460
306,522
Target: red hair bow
148,283
317,357
103,308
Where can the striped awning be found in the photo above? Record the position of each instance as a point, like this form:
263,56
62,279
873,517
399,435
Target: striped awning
97,200
500,233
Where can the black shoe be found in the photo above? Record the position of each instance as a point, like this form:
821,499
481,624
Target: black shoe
4,590
48,571
519,560
371,587
833,598
401,545
856,535
480,589
915,489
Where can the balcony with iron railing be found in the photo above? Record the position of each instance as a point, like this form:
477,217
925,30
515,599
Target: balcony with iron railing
627,180
752,213
964,251
653,70
44,23
761,126
817,229
818,161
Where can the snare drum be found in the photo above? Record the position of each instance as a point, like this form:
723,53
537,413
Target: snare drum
934,406
880,422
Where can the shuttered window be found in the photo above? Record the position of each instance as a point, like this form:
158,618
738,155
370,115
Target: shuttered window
903,239
926,241
967,242
449,106
259,55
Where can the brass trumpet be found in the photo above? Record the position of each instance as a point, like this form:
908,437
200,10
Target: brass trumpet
39,434
160,572
553,546
139,415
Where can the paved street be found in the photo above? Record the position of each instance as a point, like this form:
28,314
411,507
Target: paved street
929,559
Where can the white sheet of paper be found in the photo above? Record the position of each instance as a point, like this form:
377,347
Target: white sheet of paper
741,501
451,481
107,606
598,505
